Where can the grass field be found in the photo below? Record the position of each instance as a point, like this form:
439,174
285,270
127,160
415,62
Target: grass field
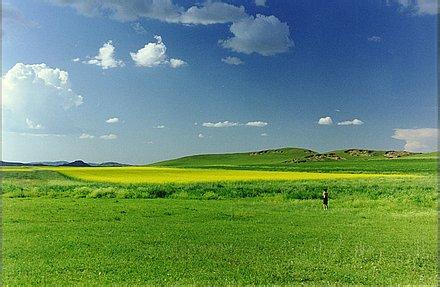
95,226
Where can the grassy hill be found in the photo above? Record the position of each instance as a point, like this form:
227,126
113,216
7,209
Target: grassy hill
354,160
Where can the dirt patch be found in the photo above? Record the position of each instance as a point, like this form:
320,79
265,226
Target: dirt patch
396,154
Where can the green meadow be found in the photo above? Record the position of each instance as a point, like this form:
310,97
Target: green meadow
379,230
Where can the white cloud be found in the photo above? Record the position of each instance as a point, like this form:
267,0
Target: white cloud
154,54
159,127
325,121
84,136
232,61
138,28
200,136
112,120
374,39
419,7
258,124
260,2
33,125
225,124
109,137
106,57
354,122
212,13
264,134
265,35
40,93
176,63
76,60
418,140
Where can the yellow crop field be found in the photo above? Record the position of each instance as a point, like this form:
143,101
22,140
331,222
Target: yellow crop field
181,175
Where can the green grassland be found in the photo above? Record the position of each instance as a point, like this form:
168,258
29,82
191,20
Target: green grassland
60,228
283,159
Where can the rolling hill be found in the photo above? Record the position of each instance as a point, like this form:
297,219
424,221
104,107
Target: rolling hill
357,160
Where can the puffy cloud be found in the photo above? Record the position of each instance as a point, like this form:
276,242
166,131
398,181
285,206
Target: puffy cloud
33,125
419,7
232,61
106,57
154,54
225,124
176,63
260,2
374,39
84,136
200,136
265,35
258,124
109,137
39,93
354,122
159,127
325,121
418,140
112,120
213,13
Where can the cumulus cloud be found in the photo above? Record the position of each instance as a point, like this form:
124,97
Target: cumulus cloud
354,122
176,63
106,57
374,39
112,120
154,54
33,125
265,35
200,136
232,61
109,137
85,136
212,13
258,124
325,121
225,124
418,140
39,93
419,7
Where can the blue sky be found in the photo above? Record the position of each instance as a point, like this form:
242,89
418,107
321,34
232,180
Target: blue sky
142,81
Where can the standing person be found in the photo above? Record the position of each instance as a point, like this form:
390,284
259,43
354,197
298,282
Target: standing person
325,199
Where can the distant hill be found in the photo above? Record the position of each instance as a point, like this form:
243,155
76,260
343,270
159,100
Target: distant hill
78,163
287,157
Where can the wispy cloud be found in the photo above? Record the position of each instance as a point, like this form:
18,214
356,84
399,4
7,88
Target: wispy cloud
225,124
374,39
138,28
109,137
33,125
200,136
84,136
232,61
258,124
260,2
159,127
354,122
264,134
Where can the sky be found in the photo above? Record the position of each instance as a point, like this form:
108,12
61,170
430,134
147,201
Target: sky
147,80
